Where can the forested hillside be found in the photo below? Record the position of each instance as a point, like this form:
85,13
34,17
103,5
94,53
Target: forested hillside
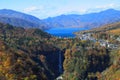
26,55
105,28
31,54
107,36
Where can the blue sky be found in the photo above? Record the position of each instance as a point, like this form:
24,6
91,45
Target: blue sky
49,8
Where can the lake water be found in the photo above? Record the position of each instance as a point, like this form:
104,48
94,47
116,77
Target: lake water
64,32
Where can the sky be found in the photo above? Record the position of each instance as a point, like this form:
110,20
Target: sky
51,8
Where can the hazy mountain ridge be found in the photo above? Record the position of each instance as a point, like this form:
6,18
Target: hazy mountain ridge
91,20
21,19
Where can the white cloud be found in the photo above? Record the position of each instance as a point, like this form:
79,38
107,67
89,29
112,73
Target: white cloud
112,5
30,9
40,11
33,8
102,7
80,11
43,11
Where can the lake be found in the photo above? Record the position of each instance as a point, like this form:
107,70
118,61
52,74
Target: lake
64,32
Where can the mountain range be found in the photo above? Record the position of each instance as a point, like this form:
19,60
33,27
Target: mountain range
90,20
21,19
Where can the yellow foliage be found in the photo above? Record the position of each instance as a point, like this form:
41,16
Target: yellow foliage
83,41
68,54
7,62
42,58
97,44
115,32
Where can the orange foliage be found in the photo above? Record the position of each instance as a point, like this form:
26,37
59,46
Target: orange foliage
116,31
42,58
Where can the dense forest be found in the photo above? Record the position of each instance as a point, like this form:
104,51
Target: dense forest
111,34
31,54
25,54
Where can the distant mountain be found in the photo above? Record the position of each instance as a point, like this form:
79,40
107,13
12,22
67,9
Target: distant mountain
20,19
91,20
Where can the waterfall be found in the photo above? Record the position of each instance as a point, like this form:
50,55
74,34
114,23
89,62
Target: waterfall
60,62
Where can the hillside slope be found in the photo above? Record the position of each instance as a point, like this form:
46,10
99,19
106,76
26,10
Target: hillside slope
25,54
110,28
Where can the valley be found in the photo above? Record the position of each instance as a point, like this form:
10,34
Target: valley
87,50
41,56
